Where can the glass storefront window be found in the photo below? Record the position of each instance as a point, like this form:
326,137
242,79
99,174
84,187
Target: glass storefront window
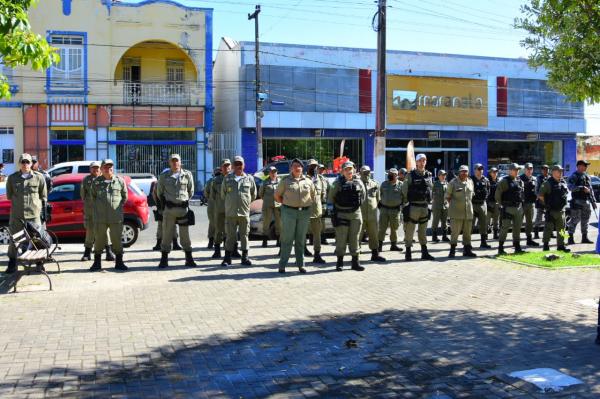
441,154
325,150
67,135
67,153
502,153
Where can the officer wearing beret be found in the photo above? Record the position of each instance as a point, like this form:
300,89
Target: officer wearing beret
509,194
493,211
530,196
482,190
582,197
219,210
553,195
390,204
460,194
369,212
271,209
439,207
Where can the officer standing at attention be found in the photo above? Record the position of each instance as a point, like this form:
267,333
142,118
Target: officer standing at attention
460,194
175,189
509,194
219,210
402,174
210,209
582,196
417,192
347,194
109,193
553,195
35,166
482,190
85,191
26,191
237,192
369,212
270,208
316,211
158,216
296,193
493,211
439,207
322,171
539,207
529,199
390,203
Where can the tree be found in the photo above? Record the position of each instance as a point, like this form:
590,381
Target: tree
19,45
564,38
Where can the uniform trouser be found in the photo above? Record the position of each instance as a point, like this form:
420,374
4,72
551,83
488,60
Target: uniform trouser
169,226
210,210
347,233
580,215
458,226
15,225
539,218
418,216
511,217
296,226
315,230
219,227
90,236
371,227
115,232
480,215
233,225
528,209
268,215
555,221
493,215
388,218
440,217
159,231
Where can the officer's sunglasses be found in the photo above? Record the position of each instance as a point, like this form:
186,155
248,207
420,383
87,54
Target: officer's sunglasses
25,161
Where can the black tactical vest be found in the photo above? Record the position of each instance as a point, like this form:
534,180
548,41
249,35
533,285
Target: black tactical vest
350,195
481,189
556,200
492,195
514,194
582,180
529,189
419,189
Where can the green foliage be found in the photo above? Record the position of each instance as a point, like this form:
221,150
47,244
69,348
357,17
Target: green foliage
566,259
19,45
564,38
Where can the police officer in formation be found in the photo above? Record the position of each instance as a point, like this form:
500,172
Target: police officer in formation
417,192
369,212
85,192
439,208
582,199
553,196
219,206
322,171
316,212
482,190
271,209
539,206
175,188
493,210
509,194
390,205
347,194
460,194
210,208
158,217
238,190
530,193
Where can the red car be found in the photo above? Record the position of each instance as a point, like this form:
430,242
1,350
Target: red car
67,209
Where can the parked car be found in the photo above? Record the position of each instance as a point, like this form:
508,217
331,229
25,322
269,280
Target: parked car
67,210
143,180
69,167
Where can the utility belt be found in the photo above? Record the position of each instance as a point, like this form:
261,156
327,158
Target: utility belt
170,204
395,208
406,214
296,208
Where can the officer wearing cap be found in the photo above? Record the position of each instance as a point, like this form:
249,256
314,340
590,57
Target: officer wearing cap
109,193
322,171
26,190
369,212
509,195
35,166
219,209
417,193
390,204
347,194
175,188
237,191
271,209
460,194
296,193
530,191
493,211
439,207
482,190
316,212
553,196
402,174
210,209
158,216
582,196
539,207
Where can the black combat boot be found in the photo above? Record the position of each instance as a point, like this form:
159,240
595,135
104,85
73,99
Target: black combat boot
518,249
119,265
301,270
87,254
307,251
189,259
571,240
425,255
227,259
281,269
217,253
176,246
395,247
245,260
264,243
484,244
318,258
445,236
211,243
356,264
408,254
235,253
97,265
12,266
164,260
375,257
468,252
380,247
110,256
585,239
531,243
546,247
501,250
158,245
434,236
562,248
452,252
340,263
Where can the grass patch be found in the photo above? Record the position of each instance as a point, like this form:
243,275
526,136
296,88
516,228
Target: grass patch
566,260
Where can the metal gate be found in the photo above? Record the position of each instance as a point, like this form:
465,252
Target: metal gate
223,145
133,158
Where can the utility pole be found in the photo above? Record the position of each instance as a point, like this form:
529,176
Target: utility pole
380,106
259,99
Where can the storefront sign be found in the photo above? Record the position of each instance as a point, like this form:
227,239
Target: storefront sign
436,101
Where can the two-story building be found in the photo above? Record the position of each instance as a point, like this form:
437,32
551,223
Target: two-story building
134,83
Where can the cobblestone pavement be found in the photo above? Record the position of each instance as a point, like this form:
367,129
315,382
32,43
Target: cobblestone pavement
449,328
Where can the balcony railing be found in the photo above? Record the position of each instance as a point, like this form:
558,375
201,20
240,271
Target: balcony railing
166,93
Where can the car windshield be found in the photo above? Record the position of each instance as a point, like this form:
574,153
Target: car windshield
136,189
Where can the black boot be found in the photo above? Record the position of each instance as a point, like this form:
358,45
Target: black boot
87,254
518,249
537,233
245,260
501,250
468,252
318,258
211,243
356,264
546,247
110,256
375,257
176,246
425,255
445,236
571,240
227,259
484,244
157,247
562,248
164,260
301,270
264,243
340,263
452,252
395,247
12,266
324,240
217,253
235,253
585,239
119,265
408,254
307,251
531,243
380,247
189,259
97,265
434,237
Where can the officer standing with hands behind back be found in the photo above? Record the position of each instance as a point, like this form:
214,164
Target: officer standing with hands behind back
553,196
85,192
460,194
509,194
271,209
530,191
482,190
390,204
439,207
582,197
369,212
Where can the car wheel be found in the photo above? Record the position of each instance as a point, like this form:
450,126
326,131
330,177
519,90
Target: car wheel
4,235
130,234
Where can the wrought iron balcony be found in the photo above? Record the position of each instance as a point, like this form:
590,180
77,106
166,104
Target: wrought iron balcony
158,93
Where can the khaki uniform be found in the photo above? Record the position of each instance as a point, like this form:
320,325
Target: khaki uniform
439,207
27,196
493,210
271,209
298,195
159,210
511,209
210,209
176,188
389,209
85,192
418,212
347,233
555,218
237,192
369,211
219,208
109,198
316,211
460,211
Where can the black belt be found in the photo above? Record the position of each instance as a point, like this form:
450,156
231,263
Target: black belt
170,204
297,208
418,205
396,208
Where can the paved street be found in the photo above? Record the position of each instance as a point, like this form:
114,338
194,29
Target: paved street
424,329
